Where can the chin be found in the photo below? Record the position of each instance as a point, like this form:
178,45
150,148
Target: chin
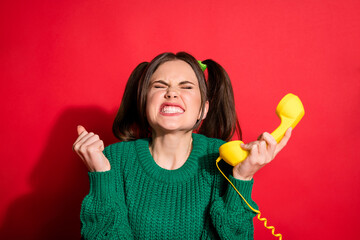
173,129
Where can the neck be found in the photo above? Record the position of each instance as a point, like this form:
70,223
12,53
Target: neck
170,151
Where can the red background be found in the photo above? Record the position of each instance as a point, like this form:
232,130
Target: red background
65,63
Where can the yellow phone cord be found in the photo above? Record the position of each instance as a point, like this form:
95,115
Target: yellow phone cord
256,211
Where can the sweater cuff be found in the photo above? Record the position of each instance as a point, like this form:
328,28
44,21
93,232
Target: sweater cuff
232,198
102,185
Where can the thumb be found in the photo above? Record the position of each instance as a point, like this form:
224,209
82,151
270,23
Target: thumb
247,146
80,129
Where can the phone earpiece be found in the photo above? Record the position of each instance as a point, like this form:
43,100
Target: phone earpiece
290,110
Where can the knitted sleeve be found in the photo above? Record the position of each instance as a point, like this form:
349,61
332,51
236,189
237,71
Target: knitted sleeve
103,212
231,217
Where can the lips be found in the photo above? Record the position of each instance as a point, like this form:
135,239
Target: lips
168,108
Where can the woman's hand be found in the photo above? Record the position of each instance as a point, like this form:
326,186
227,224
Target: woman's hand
261,152
89,147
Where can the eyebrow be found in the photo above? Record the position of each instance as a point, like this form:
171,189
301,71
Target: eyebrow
160,81
186,82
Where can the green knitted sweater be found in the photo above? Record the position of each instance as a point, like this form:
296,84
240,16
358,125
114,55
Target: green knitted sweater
137,199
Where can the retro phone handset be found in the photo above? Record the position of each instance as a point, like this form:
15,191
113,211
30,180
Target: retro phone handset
290,110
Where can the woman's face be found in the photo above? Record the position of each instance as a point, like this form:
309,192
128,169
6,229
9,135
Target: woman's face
173,99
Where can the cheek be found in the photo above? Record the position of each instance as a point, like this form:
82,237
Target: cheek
193,101
152,100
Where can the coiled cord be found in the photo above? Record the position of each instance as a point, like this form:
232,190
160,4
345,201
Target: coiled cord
253,209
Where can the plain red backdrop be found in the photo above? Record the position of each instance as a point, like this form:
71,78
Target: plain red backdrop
65,63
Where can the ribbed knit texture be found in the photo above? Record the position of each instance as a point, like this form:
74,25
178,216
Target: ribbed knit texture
137,199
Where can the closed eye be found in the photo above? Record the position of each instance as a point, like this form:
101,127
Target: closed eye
159,84
187,85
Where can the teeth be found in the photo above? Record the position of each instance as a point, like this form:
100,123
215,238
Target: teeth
172,109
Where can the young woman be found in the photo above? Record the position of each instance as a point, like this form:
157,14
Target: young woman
160,181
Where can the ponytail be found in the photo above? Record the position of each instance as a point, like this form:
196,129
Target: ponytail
127,124
221,120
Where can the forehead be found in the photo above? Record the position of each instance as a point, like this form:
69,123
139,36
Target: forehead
174,70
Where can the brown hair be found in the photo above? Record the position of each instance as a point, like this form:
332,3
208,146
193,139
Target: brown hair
221,122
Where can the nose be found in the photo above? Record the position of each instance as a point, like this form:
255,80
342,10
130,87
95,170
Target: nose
171,93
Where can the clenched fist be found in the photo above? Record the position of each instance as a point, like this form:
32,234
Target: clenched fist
90,148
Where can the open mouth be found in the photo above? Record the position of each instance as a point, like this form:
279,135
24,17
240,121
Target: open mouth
169,109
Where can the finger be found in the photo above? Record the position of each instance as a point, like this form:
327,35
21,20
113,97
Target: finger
262,148
97,145
81,133
286,137
284,140
270,141
91,152
87,148
254,153
267,137
81,129
248,146
89,140
81,139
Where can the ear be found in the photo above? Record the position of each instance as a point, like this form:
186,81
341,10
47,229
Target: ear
205,111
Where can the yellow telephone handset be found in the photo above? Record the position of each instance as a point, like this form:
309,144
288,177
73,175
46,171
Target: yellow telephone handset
290,110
